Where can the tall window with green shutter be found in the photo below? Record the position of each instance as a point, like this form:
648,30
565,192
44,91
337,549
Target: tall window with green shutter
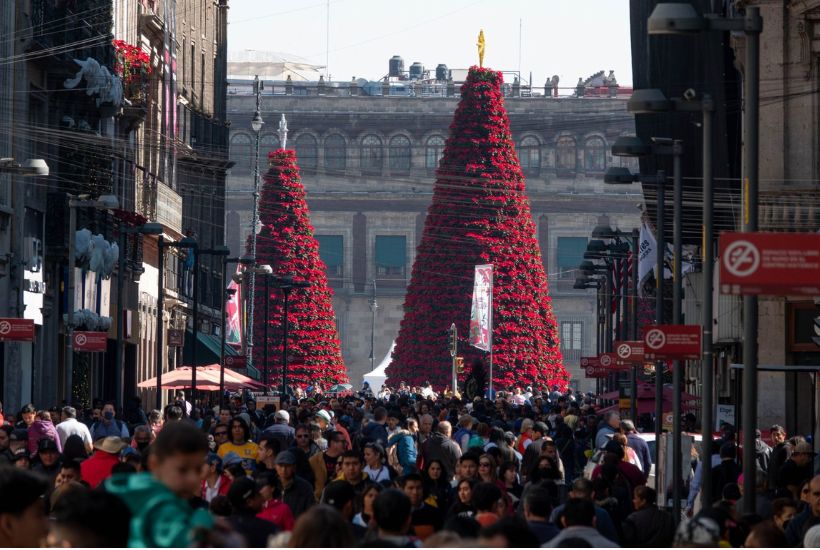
570,255
391,256
331,252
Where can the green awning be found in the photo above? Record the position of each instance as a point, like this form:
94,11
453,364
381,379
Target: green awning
207,350
391,251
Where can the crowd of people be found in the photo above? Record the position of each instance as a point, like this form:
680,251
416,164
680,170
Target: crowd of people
401,468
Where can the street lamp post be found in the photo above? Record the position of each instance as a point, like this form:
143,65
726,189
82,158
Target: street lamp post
150,228
629,147
104,202
286,284
680,18
373,307
256,124
266,272
187,242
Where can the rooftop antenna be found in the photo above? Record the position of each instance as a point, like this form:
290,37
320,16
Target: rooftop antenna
520,24
327,41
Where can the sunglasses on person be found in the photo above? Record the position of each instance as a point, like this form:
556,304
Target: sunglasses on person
484,465
217,434
302,436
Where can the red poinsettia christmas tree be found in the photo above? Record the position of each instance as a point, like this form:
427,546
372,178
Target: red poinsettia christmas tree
480,214
287,244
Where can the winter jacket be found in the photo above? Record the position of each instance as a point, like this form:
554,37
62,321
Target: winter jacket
299,496
440,447
97,469
159,518
42,429
405,450
649,527
375,432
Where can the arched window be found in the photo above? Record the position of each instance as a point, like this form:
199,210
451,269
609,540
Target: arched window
241,153
565,154
372,154
433,151
399,155
267,144
529,153
307,153
335,152
595,155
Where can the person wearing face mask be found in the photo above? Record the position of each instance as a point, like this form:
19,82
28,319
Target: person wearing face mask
71,426
142,438
109,426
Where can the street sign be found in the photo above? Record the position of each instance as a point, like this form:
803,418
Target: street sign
94,342
596,371
629,352
236,363
610,361
13,329
775,264
176,338
672,341
590,362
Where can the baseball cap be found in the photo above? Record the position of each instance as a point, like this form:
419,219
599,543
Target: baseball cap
231,458
46,445
20,453
282,415
286,458
213,458
241,489
324,415
338,493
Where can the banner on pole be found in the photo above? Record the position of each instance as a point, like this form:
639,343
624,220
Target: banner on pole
481,326
233,319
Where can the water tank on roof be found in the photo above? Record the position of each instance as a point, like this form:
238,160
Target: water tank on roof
396,66
441,71
416,71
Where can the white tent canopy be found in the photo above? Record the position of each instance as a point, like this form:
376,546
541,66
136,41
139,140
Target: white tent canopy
377,377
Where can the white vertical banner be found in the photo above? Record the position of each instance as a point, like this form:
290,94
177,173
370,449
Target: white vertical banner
648,255
481,315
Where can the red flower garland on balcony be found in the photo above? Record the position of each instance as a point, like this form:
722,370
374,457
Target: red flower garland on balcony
480,214
286,243
132,64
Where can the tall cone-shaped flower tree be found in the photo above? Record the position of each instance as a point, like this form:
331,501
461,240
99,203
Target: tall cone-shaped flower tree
480,214
287,244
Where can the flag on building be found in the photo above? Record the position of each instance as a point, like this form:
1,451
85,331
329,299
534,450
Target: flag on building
481,315
233,316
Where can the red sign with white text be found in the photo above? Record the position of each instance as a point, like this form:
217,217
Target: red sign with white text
629,352
90,341
775,264
610,361
596,371
236,362
13,329
672,341
590,362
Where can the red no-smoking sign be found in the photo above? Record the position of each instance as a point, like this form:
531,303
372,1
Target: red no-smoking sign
770,263
629,351
672,341
13,329
90,341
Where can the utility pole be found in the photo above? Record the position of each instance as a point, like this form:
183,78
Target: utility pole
373,307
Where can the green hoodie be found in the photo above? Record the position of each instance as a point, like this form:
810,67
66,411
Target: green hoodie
159,518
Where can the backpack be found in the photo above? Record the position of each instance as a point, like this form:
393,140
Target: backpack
475,441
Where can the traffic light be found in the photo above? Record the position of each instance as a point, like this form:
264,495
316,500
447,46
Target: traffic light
453,340
459,365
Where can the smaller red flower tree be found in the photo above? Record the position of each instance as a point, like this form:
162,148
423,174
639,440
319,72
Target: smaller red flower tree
287,244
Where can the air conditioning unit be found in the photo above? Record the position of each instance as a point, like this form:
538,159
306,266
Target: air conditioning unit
33,254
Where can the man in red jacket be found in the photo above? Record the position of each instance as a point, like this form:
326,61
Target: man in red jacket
97,469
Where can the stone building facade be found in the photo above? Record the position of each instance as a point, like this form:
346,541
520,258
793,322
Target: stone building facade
368,165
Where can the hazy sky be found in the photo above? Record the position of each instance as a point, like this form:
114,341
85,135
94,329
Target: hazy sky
570,38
